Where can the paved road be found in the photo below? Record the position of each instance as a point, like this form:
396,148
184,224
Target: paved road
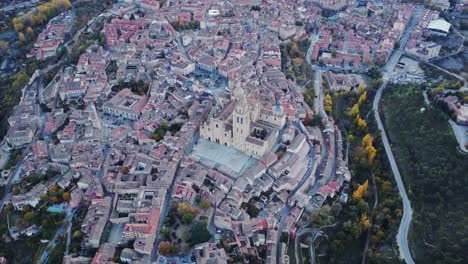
402,236
53,242
306,231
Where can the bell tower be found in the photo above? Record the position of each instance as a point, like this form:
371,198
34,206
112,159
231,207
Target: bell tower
241,119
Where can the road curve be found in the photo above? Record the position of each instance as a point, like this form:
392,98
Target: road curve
403,230
402,236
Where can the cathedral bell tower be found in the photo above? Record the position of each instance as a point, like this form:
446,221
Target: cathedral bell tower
240,118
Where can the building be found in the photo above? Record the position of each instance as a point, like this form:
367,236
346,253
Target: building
125,104
439,27
19,136
244,125
146,224
183,67
94,223
210,253
425,50
75,88
207,63
343,82
286,32
443,5
151,5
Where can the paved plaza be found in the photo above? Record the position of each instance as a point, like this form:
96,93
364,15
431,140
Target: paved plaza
233,159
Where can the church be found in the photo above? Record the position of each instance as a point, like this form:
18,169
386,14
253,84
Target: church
244,124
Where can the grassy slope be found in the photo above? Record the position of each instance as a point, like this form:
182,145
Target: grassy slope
434,173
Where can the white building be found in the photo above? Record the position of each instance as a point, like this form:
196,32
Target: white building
439,27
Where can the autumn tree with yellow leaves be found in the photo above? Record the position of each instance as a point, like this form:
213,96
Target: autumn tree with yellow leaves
367,140
38,16
354,110
327,102
361,88
365,221
361,190
361,123
369,148
362,98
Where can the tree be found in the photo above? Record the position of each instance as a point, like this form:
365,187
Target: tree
327,101
361,191
27,208
30,31
8,208
375,73
361,123
17,24
77,233
369,148
354,110
367,140
54,199
306,121
205,204
362,98
200,233
322,217
186,212
20,80
28,216
361,87
353,228
165,231
124,170
16,190
297,61
21,36
54,189
66,196
165,248
371,153
365,222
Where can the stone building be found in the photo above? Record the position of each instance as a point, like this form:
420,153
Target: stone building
244,124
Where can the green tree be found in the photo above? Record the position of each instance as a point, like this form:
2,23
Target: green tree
199,233
186,212
28,216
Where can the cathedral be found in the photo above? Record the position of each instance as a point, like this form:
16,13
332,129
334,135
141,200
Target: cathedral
244,124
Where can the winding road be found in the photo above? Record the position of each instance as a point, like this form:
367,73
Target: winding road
403,230
402,236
